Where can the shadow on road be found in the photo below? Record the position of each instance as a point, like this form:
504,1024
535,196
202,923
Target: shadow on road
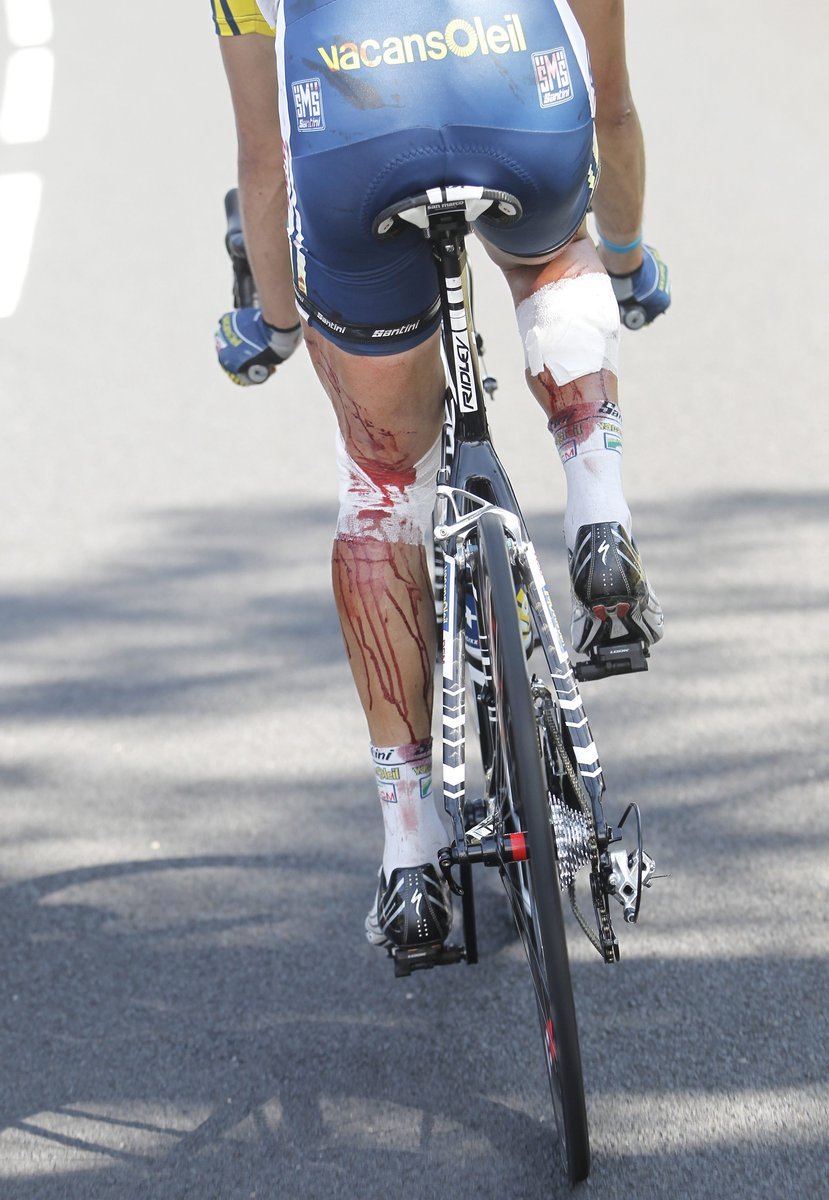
211,1025
194,1027
221,599
214,602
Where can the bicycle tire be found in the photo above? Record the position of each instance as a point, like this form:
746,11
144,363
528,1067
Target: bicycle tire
533,885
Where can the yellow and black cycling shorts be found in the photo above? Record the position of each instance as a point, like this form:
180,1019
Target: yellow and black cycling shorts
232,17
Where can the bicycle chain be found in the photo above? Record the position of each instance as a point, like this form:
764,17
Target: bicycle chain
605,940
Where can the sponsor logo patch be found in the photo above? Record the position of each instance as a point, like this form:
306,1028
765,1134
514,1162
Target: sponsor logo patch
612,441
552,77
462,37
567,450
410,327
310,114
386,774
388,793
299,273
463,355
609,408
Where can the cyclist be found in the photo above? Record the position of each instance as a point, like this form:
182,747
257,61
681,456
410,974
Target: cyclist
375,103
270,334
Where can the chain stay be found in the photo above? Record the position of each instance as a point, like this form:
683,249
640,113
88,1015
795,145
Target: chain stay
605,941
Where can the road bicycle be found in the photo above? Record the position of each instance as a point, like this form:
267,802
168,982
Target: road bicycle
540,819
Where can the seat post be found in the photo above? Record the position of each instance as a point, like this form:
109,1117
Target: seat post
447,236
443,214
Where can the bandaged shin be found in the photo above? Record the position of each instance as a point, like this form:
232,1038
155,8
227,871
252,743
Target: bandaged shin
386,505
571,328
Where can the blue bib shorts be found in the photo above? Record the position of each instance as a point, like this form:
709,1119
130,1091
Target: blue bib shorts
380,100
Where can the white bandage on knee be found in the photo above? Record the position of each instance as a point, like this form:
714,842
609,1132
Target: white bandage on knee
386,505
571,327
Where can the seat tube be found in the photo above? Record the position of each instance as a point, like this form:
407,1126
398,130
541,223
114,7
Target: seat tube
449,249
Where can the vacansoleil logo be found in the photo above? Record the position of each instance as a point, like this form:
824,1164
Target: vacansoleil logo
460,37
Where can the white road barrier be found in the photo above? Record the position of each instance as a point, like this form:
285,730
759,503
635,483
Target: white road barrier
27,96
25,110
19,208
29,22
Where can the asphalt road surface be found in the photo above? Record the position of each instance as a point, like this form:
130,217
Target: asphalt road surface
188,832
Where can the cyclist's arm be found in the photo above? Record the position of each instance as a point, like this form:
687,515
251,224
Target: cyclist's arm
619,200
250,65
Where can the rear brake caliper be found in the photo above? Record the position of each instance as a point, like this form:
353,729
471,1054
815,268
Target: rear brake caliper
630,869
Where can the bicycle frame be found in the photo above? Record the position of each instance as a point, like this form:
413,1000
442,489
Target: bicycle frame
472,478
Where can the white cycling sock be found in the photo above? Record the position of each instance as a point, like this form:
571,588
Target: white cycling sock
414,831
591,453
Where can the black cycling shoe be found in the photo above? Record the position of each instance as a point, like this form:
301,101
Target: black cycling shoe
413,909
612,600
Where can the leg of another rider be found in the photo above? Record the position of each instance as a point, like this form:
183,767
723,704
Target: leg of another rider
389,410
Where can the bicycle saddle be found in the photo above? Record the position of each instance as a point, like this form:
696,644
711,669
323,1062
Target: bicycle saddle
473,202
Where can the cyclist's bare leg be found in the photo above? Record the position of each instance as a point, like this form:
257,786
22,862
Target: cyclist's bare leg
619,199
610,602
250,65
582,397
389,410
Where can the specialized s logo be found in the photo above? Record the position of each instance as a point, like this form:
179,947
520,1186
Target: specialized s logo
310,114
552,77
460,37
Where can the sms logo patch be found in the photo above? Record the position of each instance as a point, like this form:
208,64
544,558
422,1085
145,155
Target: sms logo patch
552,77
310,114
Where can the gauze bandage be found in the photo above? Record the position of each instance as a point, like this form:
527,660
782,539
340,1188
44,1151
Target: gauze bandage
571,327
386,505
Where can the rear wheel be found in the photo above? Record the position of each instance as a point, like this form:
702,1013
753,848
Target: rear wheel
521,804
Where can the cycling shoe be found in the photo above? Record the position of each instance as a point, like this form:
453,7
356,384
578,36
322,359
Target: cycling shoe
612,600
414,908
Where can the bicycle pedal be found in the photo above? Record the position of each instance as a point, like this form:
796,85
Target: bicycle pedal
423,958
616,658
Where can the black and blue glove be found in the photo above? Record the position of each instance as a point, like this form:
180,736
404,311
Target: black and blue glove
250,349
645,293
